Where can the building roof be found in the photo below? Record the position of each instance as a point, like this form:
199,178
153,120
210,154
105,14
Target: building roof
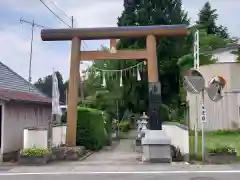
6,94
15,87
229,47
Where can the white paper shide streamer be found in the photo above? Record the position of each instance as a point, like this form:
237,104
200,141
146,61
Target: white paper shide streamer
112,74
104,80
121,83
55,96
138,75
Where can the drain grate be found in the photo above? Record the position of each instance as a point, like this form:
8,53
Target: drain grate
203,178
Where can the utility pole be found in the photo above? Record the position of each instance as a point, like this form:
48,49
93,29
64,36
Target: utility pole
33,25
30,60
72,21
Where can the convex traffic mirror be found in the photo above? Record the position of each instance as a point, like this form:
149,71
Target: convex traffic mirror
193,81
215,88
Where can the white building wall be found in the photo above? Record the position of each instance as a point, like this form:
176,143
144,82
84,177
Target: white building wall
17,117
224,114
225,56
38,137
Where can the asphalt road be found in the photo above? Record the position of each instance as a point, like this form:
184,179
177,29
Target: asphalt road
124,176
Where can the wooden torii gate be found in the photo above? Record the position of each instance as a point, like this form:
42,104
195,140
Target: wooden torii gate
113,33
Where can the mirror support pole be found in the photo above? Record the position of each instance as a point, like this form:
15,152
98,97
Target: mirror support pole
203,138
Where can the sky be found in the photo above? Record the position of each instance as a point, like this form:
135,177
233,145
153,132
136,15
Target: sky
16,36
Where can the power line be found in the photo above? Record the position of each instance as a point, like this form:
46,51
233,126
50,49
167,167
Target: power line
72,19
84,43
59,9
54,13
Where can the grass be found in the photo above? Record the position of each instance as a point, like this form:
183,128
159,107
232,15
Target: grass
216,139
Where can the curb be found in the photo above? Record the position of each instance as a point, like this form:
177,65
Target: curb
89,153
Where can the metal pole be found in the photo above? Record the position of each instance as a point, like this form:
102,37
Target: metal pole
203,138
196,66
81,90
117,111
30,61
196,127
66,94
117,119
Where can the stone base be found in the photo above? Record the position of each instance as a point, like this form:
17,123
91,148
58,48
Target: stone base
221,158
68,153
10,156
156,147
138,142
34,160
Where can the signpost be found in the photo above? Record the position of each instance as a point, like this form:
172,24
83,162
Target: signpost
203,120
203,113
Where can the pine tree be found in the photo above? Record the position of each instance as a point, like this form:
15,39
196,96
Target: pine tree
128,17
207,20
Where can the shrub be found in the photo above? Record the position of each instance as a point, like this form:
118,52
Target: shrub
223,149
90,128
35,152
164,112
108,128
124,126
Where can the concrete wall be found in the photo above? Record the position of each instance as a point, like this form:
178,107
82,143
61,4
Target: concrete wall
17,117
35,138
222,115
59,135
38,137
179,136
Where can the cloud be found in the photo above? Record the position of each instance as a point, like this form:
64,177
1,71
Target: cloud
15,44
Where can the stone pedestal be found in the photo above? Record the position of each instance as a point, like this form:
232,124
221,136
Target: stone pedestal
156,147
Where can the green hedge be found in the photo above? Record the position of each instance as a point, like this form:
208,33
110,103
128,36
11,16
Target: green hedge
124,126
90,129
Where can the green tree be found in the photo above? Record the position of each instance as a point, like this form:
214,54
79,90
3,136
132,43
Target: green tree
134,95
207,42
45,85
145,12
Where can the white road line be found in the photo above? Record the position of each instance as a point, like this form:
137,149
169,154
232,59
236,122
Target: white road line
121,172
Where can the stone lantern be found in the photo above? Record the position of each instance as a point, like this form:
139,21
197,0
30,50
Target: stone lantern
142,127
114,128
